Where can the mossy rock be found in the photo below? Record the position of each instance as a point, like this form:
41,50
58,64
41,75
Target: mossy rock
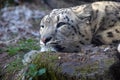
73,66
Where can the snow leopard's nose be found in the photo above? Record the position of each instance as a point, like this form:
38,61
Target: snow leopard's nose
47,39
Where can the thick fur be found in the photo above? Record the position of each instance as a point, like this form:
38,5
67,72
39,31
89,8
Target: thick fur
67,29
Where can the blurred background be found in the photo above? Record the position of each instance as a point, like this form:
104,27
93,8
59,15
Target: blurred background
50,3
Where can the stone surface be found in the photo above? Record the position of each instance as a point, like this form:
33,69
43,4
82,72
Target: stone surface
92,63
29,57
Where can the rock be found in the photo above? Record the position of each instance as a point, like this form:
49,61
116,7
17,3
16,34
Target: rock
29,57
93,63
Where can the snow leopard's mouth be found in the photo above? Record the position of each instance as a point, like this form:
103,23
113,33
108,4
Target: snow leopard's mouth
53,47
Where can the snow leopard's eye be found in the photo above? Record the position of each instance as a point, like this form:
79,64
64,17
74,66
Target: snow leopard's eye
42,26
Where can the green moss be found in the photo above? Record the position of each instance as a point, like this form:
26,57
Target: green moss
23,46
14,66
48,62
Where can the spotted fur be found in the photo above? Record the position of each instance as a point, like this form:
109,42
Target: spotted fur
67,29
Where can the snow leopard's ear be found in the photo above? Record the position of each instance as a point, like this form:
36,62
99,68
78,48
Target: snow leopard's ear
83,10
84,13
